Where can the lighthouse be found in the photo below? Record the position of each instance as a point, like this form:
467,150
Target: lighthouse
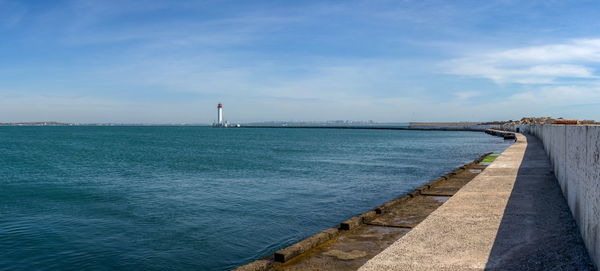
220,123
220,114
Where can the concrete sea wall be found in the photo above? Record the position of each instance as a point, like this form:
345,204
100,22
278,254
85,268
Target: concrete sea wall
574,152
451,126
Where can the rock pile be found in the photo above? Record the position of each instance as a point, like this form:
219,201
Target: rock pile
549,120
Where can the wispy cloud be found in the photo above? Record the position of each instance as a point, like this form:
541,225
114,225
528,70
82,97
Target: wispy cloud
545,64
580,50
560,95
465,95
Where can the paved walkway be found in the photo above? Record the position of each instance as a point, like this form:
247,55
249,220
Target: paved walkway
512,216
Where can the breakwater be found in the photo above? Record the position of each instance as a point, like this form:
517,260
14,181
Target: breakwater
474,128
360,238
574,151
470,126
512,216
478,230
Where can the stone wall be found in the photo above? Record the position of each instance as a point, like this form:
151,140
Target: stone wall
575,155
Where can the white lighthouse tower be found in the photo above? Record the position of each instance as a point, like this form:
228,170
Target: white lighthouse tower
220,114
220,122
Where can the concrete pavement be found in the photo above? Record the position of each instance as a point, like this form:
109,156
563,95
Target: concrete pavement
512,216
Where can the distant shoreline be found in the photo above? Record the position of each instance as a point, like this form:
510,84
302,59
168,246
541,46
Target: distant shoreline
399,126
30,124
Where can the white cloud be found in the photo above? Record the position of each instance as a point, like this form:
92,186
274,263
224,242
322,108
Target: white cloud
560,95
546,64
465,95
585,50
552,79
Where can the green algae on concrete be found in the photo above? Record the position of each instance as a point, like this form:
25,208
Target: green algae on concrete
489,159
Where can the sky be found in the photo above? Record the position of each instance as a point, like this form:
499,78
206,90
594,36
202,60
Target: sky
157,61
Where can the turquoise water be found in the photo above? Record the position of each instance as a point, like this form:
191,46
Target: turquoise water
199,198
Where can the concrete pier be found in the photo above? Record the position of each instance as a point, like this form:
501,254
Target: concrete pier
362,237
512,216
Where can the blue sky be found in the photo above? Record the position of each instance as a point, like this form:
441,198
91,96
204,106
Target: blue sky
172,61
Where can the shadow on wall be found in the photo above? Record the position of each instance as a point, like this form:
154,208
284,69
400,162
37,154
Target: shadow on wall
537,231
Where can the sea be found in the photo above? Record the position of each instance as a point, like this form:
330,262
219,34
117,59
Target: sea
200,198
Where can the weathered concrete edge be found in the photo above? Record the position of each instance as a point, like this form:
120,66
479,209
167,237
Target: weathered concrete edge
574,151
296,249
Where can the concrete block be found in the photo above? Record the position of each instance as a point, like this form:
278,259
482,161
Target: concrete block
296,249
357,220
590,224
575,164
